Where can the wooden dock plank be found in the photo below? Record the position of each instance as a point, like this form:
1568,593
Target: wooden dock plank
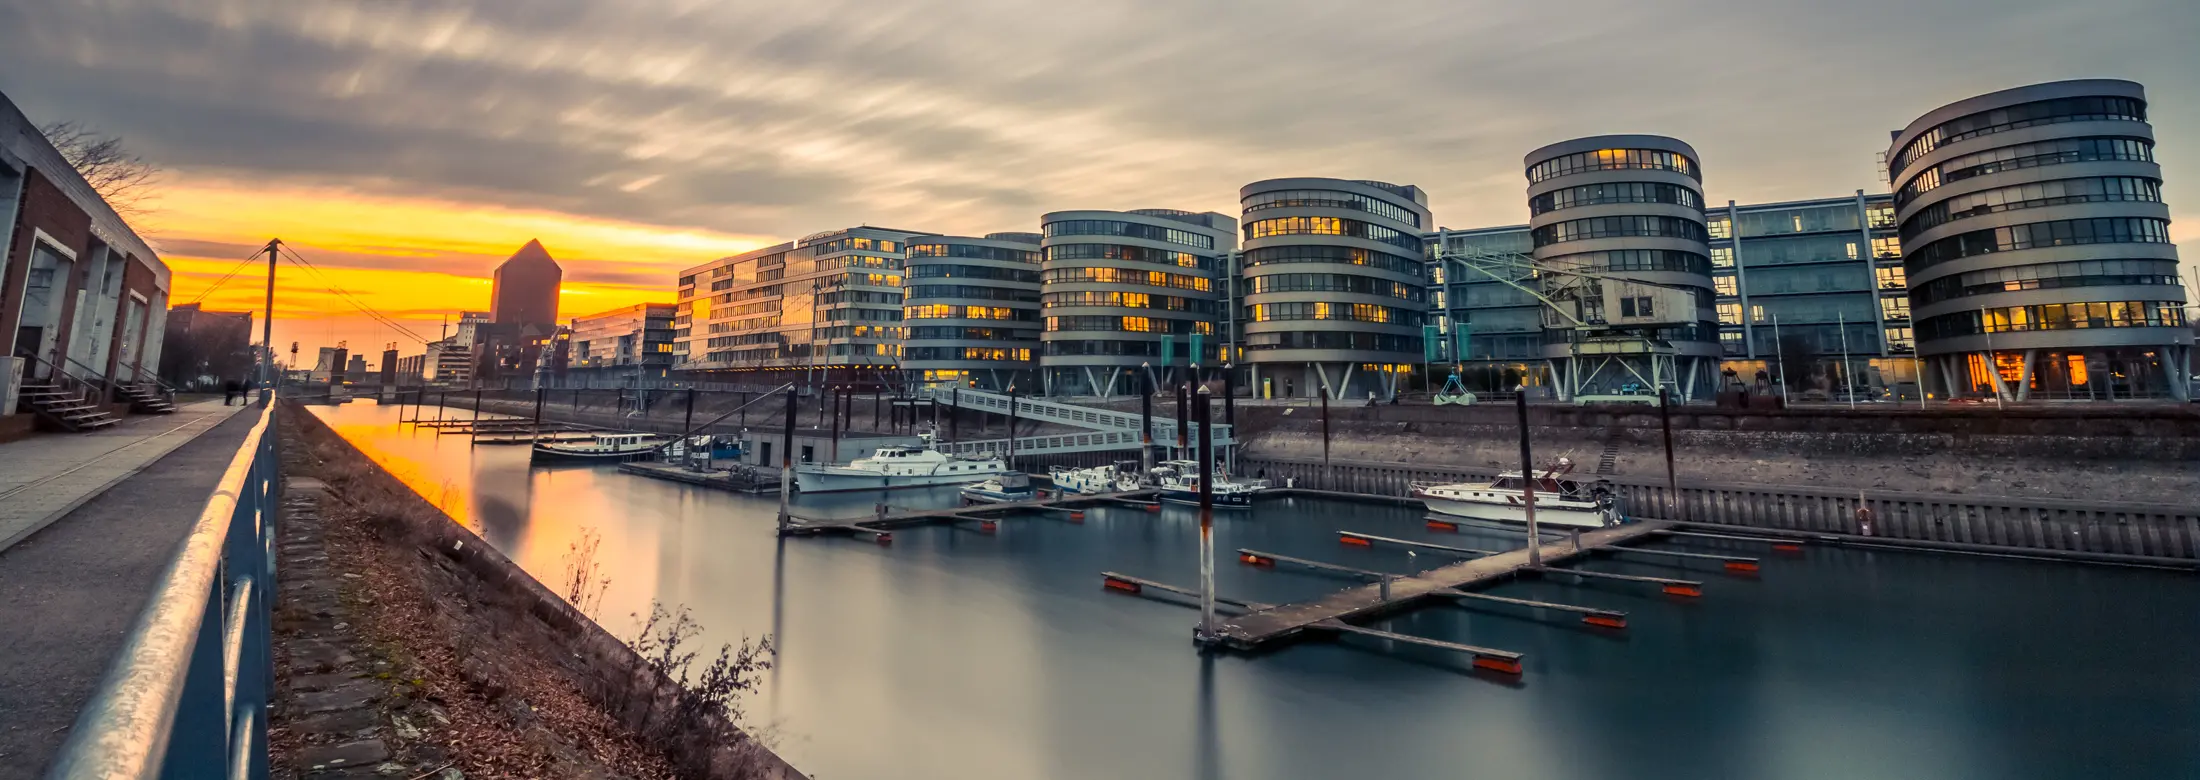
1261,627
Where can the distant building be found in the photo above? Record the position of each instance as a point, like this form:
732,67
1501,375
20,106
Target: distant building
831,301
204,348
329,365
525,289
412,370
971,315
356,369
450,361
2038,246
86,298
1124,289
634,341
1335,286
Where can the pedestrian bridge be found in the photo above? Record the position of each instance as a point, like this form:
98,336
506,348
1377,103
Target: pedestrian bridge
1114,430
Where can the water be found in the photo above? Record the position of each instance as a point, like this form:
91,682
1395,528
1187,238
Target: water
954,654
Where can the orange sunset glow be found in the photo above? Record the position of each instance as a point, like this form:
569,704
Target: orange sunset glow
415,260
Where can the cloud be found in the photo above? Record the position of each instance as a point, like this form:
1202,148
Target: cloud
972,115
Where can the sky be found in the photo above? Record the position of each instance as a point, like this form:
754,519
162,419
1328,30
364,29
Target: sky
404,147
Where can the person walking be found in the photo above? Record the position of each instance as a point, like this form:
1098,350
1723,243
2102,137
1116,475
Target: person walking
229,391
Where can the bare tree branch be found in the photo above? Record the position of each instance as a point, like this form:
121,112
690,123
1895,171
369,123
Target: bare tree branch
125,180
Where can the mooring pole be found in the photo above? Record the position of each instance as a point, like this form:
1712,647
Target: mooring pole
540,394
687,422
954,399
1183,422
1325,434
576,399
474,439
441,400
1011,427
1672,483
834,458
743,397
1206,513
1527,481
1145,425
1229,414
786,461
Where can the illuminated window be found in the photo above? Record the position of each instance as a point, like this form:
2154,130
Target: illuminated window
1722,257
1720,228
1892,277
1894,307
1725,284
1730,313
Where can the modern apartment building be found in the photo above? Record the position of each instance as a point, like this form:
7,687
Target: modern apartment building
829,302
1126,289
632,341
971,312
2037,245
1335,286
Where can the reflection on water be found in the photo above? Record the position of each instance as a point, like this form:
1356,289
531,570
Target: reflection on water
955,654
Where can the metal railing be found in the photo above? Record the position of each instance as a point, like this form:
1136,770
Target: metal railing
187,695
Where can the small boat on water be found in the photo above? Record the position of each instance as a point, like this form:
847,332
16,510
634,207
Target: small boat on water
601,448
1178,482
1559,501
699,447
1096,480
898,467
1009,486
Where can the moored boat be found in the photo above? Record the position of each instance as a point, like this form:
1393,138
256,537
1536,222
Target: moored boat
601,448
1177,481
1095,480
1006,487
1559,501
898,467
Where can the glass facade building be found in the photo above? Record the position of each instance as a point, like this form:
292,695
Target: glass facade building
970,311
2036,245
1124,289
1334,284
832,300
634,341
1633,309
1809,292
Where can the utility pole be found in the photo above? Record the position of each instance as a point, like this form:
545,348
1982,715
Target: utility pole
1145,424
267,328
786,461
1672,483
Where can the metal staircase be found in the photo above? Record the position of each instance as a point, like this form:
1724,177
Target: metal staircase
63,407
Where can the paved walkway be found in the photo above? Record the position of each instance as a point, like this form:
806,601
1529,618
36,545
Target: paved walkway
88,522
44,477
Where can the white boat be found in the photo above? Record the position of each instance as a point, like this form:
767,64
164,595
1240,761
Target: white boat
1178,482
898,467
1559,501
602,448
1095,480
1011,486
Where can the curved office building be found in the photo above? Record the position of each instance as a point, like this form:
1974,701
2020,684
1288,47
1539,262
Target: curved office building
970,311
1120,285
2037,245
1625,214
1334,286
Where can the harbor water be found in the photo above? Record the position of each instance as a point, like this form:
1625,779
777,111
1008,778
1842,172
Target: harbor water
955,654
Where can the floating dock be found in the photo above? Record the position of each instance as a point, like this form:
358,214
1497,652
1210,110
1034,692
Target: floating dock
1263,628
754,479
988,516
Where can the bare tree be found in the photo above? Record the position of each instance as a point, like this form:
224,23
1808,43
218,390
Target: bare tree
119,175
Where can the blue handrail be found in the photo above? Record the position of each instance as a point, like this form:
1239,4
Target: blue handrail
187,695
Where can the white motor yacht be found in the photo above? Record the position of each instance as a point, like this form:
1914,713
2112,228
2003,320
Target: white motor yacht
1559,500
898,467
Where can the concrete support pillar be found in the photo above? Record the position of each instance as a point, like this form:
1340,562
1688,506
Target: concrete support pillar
2024,375
1948,375
1993,373
2176,360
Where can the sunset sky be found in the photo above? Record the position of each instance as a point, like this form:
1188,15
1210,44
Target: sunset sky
406,147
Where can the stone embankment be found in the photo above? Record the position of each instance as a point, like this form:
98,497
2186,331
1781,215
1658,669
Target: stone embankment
408,648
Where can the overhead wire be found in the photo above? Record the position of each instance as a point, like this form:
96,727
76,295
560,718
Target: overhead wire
231,275
347,296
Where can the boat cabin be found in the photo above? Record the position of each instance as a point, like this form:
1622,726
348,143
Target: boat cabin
1545,485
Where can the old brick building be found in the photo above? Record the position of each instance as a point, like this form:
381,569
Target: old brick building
83,300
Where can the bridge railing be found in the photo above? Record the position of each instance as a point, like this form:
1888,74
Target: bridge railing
187,694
